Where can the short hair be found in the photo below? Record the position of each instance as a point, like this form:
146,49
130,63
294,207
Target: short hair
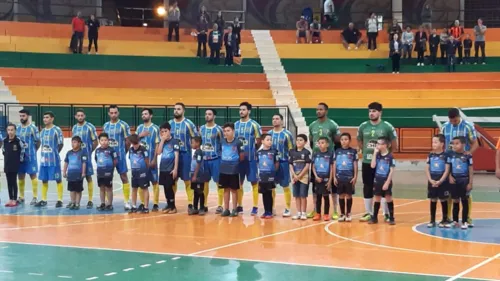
181,104
461,139
278,114
165,126
213,111
324,105
263,137
113,106
12,125
25,111
440,137
197,139
76,138
246,104
228,125
375,106
149,110
453,113
49,113
79,110
302,136
384,139
133,138
103,135
346,135
325,139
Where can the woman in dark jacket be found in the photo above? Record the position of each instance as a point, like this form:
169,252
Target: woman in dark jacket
420,45
203,12
221,23
215,43
93,32
231,43
237,28
202,36
395,47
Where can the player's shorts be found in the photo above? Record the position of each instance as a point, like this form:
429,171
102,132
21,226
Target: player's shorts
249,170
266,186
153,175
345,188
300,190
28,167
302,34
166,179
459,189
283,174
315,34
106,182
441,192
229,181
184,165
75,186
212,167
121,166
368,175
138,182
50,173
378,191
321,188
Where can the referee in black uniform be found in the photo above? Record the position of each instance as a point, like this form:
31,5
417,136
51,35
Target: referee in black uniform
13,153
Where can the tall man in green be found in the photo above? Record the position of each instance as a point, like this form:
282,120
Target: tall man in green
324,127
368,134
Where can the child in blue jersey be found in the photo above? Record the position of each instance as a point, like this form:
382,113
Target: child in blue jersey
198,178
229,178
268,164
300,162
345,169
75,165
141,176
383,163
437,172
106,160
322,171
460,180
168,149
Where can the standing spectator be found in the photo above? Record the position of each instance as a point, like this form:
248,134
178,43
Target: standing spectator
395,29
202,36
426,17
215,43
467,48
372,31
351,35
480,42
420,45
203,12
13,156
443,41
395,47
302,31
408,39
78,26
221,23
231,43
174,16
433,45
93,32
329,12
457,32
451,51
237,28
315,28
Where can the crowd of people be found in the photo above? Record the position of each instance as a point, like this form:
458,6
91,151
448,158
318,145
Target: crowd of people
231,154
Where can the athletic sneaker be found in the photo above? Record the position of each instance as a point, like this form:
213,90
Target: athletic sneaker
156,208
303,216
326,217
255,211
311,214
465,225
317,217
234,213
225,213
373,221
20,200
296,217
145,210
165,210
348,218
387,218
442,224
264,215
90,205
431,224
239,209
70,204
173,211
140,208
132,210
219,210
205,209
202,212
335,216
366,217
101,207
76,207
342,218
392,222
195,212
269,216
469,222
109,208
286,213
190,211
127,206
41,203
33,201
59,204
190,207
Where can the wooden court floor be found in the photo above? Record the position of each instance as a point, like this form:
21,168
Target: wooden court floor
52,244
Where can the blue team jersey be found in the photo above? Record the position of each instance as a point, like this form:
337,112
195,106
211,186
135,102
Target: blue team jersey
167,159
183,131
437,163
50,140
463,129
118,133
202,173
230,157
105,157
248,132
383,167
322,162
29,135
88,134
460,164
211,141
282,143
150,141
267,168
138,161
345,161
75,161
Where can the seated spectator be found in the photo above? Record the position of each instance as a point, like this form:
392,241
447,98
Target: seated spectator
351,35
443,44
202,31
420,45
395,47
408,39
315,28
215,43
302,31
395,29
433,45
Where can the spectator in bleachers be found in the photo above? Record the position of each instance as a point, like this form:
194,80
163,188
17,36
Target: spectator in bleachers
408,39
237,28
426,17
395,47
395,29
480,41
93,33
203,12
434,45
231,43
202,30
420,45
215,43
467,48
78,27
302,31
372,31
451,50
351,35
174,17
315,28
457,32
221,23
443,44
328,11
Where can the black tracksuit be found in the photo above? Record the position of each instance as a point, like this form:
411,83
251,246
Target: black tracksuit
13,153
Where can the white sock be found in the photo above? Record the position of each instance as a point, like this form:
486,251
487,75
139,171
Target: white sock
368,205
385,208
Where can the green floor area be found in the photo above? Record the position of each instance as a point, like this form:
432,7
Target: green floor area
122,63
45,263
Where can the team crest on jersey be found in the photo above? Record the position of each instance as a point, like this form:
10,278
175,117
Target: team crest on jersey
113,142
144,144
14,147
84,145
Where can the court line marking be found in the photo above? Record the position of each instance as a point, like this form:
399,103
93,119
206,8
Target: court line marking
470,269
414,228
64,276
35,274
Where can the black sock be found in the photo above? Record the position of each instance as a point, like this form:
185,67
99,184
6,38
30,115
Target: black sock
202,200
267,197
196,199
342,206
444,207
465,210
433,211
327,204
390,205
376,207
349,205
319,197
456,210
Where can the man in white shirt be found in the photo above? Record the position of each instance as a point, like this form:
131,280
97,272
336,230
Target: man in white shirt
328,11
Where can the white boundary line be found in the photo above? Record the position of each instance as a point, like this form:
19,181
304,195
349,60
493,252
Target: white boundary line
470,269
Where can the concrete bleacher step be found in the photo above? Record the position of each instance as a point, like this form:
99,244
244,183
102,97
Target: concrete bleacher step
272,68
276,75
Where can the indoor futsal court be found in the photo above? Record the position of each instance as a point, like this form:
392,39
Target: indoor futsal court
49,244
